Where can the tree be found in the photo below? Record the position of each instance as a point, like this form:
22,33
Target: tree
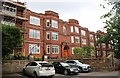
89,51
11,39
113,27
78,52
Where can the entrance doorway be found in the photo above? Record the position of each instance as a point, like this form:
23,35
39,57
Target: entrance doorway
66,53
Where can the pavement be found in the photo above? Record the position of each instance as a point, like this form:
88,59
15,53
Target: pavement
113,74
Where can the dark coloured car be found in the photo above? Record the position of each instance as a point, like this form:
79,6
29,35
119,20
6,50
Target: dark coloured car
64,68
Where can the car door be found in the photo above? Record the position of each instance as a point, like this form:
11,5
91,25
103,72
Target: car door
27,68
60,68
33,67
57,67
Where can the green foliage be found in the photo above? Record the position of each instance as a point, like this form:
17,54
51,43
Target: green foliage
23,58
85,52
16,56
38,59
9,57
78,52
113,27
88,51
11,38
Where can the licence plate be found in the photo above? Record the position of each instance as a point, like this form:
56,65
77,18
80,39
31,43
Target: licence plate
47,69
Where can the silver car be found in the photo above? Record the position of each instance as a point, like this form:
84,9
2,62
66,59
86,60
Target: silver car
39,68
82,67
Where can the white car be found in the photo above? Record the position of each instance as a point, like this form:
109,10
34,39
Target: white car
81,66
39,68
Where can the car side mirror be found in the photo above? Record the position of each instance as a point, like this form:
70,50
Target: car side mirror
75,63
59,65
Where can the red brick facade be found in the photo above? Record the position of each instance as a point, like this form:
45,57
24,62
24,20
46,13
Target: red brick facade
73,31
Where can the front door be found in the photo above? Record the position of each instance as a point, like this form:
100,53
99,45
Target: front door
66,53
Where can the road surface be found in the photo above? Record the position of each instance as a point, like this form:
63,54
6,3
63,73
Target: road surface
114,74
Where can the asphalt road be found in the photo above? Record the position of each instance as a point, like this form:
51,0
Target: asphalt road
114,74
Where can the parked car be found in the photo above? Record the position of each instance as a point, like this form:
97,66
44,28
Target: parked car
64,68
39,68
82,67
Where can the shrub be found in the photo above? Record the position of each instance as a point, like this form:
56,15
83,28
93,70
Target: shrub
9,57
23,58
38,59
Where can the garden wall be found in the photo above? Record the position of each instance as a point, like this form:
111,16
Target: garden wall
13,66
98,64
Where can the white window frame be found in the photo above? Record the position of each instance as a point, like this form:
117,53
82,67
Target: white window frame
72,29
109,45
47,33
35,20
91,36
13,10
72,39
84,41
47,22
98,46
48,47
73,50
77,30
92,43
34,34
64,30
33,48
77,38
55,51
54,34
83,33
103,45
54,24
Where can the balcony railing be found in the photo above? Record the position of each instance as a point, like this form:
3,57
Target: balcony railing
8,23
9,13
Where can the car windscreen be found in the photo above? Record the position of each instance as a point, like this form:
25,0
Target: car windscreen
46,65
78,62
64,64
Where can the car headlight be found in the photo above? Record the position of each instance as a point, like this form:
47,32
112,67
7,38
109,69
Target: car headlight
71,69
84,66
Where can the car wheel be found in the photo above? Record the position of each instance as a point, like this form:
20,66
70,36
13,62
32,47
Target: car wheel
51,76
65,72
34,75
23,71
80,70
76,73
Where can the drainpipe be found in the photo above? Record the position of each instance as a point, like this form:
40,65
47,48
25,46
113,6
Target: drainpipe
43,40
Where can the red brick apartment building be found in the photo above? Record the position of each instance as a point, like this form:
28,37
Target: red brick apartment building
46,34
102,49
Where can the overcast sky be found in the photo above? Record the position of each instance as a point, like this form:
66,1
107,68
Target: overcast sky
87,12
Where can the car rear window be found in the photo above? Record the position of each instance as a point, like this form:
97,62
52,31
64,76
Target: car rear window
46,65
